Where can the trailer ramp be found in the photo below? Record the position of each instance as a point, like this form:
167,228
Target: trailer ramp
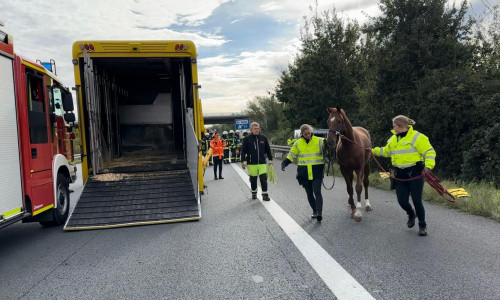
129,199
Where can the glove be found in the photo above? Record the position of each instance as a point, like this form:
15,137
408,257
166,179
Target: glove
283,166
243,165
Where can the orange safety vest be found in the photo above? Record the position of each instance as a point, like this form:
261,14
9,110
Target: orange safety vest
217,146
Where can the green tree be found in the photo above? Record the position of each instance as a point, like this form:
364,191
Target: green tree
481,159
421,52
326,72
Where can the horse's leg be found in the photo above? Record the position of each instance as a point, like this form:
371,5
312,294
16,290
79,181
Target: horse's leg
348,177
366,182
359,188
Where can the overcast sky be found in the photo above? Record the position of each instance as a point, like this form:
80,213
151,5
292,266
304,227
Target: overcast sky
243,45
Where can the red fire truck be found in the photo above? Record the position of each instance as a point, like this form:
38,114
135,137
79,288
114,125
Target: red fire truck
36,120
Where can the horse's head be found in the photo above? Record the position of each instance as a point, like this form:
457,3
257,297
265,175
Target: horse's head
336,124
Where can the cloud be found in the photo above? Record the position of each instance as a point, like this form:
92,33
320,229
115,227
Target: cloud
233,69
294,11
230,82
48,32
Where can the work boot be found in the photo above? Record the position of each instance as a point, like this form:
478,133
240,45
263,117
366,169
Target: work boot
411,219
422,231
254,196
314,215
265,197
215,178
319,217
220,177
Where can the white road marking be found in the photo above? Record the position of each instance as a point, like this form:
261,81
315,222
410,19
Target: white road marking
338,280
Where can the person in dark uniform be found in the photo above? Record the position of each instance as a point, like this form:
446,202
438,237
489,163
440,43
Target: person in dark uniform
254,150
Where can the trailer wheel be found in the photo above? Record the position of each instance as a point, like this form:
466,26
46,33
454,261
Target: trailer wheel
62,197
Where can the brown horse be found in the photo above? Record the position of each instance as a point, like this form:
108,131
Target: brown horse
353,155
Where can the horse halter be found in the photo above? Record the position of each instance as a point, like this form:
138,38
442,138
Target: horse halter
329,150
342,127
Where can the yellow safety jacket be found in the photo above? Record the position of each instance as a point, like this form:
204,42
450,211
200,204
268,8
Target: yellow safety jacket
409,150
307,154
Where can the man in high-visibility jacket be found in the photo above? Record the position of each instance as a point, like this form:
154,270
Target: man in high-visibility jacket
308,152
410,152
217,145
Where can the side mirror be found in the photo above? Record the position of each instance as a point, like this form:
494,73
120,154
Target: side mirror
69,117
67,100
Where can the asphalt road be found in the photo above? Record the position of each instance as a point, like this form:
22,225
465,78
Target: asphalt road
238,251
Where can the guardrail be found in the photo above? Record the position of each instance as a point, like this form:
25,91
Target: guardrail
279,150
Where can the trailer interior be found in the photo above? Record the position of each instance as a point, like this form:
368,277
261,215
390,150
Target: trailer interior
138,123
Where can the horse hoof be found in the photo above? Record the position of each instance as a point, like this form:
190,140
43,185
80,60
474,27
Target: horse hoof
368,208
357,219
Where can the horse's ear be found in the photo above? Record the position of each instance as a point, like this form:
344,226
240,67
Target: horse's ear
329,109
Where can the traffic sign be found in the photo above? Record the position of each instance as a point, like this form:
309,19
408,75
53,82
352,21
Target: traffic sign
242,124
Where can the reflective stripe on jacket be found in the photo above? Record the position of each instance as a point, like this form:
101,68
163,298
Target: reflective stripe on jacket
307,154
217,146
408,150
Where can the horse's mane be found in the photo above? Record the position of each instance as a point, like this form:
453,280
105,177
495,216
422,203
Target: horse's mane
348,125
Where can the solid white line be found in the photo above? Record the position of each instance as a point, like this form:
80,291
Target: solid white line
338,280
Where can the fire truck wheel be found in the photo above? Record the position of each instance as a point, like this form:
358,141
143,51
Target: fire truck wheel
62,198
62,210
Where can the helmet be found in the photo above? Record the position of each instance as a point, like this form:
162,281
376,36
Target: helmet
225,132
231,131
207,134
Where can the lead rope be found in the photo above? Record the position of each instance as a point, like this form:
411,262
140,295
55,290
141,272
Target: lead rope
431,179
328,155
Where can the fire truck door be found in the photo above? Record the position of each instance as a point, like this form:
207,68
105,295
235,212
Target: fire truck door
40,154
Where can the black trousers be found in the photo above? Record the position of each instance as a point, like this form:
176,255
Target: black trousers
313,191
263,183
414,188
217,162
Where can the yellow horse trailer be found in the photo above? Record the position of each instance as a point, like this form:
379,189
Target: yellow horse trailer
140,125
